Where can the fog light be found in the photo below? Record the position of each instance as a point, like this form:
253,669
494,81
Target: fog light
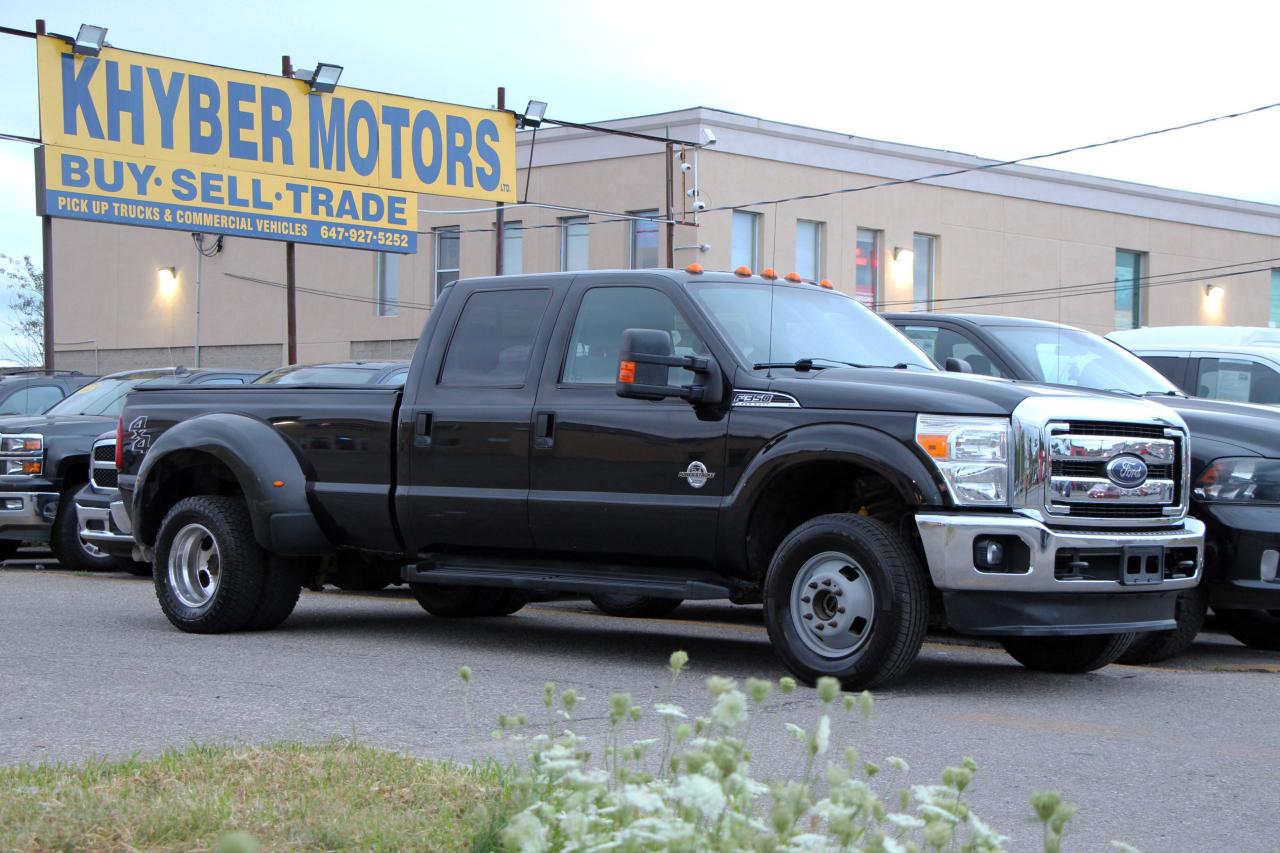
1269,564
988,553
13,503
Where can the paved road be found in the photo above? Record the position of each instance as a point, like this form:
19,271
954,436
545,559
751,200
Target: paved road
1183,757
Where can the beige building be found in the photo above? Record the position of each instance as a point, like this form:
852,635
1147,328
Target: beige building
1011,240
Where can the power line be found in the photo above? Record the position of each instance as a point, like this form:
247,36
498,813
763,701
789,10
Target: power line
348,297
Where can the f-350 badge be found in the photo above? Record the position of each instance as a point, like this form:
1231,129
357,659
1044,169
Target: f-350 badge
696,475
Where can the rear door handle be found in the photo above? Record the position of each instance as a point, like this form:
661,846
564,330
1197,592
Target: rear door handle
422,429
544,430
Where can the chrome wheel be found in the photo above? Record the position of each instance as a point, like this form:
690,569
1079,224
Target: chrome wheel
91,549
832,604
194,566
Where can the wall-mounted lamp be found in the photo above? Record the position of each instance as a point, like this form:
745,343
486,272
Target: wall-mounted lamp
167,281
1214,292
90,40
323,79
903,255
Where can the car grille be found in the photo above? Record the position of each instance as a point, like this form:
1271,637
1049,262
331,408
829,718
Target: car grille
102,469
1080,485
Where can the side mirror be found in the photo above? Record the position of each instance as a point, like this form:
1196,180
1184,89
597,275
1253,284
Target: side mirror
644,358
957,365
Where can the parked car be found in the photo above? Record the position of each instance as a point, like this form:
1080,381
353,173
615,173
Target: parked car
679,435
1247,373
31,392
46,461
1235,461
338,373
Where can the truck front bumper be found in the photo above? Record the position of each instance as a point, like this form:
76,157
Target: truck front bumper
104,523
27,516
1243,571
1055,581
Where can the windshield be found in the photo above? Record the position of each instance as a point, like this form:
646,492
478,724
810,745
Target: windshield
1073,357
318,376
104,397
805,323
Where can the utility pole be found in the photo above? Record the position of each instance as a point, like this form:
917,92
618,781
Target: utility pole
499,258
671,205
290,280
46,241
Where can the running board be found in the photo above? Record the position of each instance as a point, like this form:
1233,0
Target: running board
533,575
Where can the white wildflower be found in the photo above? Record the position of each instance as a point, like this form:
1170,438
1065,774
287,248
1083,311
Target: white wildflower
897,763
904,821
822,737
810,843
641,798
1124,848
892,845
700,794
797,732
526,834
670,712
730,709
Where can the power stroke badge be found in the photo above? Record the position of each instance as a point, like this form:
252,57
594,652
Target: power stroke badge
696,475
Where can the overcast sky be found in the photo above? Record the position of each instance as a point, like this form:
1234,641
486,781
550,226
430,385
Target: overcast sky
1000,80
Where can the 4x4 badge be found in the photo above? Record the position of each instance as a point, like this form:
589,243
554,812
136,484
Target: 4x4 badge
696,475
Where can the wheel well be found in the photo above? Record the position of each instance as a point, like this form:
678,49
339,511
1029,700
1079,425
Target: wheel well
182,474
74,471
813,489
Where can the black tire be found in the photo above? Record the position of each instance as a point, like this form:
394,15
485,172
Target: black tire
1257,629
281,587
635,606
456,602
508,602
8,548
66,544
882,578
236,587
1067,654
365,583
133,567
1155,646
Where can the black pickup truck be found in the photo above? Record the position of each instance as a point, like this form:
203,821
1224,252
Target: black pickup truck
686,435
1235,461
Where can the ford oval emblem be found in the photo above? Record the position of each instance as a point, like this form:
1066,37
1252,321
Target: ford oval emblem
1127,471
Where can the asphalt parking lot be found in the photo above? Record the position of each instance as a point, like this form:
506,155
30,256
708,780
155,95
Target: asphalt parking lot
1179,757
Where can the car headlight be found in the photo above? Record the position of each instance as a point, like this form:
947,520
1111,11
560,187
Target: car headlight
1240,479
21,444
971,453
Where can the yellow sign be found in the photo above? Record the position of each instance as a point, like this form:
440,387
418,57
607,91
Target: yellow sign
316,157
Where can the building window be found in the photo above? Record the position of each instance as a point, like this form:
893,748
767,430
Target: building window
387,277
1128,289
746,240
924,249
644,240
512,248
574,239
809,249
1275,299
447,245
866,266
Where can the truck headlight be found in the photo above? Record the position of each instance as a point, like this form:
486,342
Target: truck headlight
1240,479
21,444
971,453
23,467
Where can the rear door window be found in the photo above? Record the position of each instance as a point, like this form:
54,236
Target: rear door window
1238,380
31,400
494,337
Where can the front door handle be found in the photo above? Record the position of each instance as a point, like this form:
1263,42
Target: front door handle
544,430
422,429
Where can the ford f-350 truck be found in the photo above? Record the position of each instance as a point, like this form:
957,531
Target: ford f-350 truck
679,434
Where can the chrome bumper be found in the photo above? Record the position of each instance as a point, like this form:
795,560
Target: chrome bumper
105,525
948,547
35,509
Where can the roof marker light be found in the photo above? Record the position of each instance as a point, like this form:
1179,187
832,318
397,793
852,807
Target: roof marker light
743,271
694,269
826,282
769,273
793,277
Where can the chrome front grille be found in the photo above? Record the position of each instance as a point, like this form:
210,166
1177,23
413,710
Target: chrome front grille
102,467
1081,457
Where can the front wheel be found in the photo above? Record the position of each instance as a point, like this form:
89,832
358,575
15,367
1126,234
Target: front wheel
1067,654
634,606
845,597
66,544
1155,646
1257,629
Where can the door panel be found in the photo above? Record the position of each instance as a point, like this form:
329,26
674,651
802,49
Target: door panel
614,473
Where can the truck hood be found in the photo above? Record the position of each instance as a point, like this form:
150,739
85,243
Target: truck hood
64,425
930,392
1227,429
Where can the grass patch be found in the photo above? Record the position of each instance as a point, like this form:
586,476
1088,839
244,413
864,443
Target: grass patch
287,796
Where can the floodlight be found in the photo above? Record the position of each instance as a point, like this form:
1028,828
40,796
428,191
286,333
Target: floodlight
324,78
89,40
533,114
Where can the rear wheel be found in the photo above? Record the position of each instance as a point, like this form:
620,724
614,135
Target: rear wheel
209,570
66,544
1257,629
845,597
1154,646
133,567
638,606
1067,654
461,602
